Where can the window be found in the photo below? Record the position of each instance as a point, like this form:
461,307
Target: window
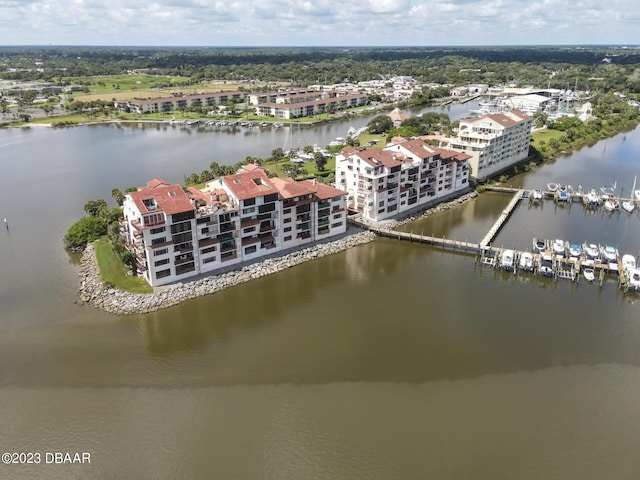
249,229
337,225
163,273
337,215
287,220
287,229
164,261
204,251
209,260
160,251
247,211
250,250
249,201
287,238
158,241
157,230
286,211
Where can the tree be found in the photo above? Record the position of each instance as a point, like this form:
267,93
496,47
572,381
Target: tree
118,196
93,207
380,124
85,230
321,161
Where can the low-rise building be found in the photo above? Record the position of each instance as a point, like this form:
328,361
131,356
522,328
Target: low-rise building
236,218
385,182
169,104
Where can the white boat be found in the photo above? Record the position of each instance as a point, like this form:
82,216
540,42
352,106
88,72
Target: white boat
589,274
592,199
611,204
609,253
507,260
552,187
525,262
559,247
546,266
629,205
636,194
539,246
628,262
609,191
633,279
535,195
575,250
351,131
591,251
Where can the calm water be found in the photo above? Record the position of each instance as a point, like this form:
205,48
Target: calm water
390,360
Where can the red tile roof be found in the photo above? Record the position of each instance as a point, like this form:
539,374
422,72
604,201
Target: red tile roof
170,199
249,184
322,191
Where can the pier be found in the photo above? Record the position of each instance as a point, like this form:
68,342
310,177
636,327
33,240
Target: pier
561,266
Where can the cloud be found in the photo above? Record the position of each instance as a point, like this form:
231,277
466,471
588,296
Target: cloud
318,22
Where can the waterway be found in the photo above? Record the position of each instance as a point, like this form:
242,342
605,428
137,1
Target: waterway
390,360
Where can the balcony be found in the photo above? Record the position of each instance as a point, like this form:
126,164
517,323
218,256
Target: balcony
303,235
248,222
267,228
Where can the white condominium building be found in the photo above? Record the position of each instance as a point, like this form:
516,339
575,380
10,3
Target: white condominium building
384,182
495,141
236,218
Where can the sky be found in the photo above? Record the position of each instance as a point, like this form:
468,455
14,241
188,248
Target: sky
221,23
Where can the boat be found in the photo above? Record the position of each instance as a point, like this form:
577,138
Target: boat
628,262
591,251
559,247
636,195
535,195
525,262
609,253
546,266
575,250
592,199
507,260
629,205
351,131
539,246
609,191
562,196
633,279
552,187
589,274
611,204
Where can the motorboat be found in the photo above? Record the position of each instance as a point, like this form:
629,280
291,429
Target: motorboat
575,250
633,279
611,204
609,253
609,191
628,262
591,251
592,199
559,247
525,262
507,261
552,187
539,246
589,274
535,195
562,196
546,266
636,195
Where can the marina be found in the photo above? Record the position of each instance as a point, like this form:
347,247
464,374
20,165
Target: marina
555,258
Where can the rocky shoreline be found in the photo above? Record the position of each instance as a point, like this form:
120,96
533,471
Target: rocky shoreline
94,292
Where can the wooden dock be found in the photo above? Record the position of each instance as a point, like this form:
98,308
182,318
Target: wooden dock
506,213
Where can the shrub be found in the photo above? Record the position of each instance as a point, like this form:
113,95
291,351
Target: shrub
85,230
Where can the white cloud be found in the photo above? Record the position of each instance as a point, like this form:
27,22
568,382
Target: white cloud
318,22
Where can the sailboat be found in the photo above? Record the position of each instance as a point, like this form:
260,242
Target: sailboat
629,204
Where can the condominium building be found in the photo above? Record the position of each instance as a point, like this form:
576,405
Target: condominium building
384,182
494,141
233,219
169,104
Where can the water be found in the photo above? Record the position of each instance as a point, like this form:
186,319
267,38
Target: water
390,360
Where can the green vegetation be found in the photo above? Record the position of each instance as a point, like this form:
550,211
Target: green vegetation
114,273
85,230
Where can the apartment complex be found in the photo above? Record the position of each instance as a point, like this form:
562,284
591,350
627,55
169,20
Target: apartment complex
385,182
236,218
169,104
309,108
494,141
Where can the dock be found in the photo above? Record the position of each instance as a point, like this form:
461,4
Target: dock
562,266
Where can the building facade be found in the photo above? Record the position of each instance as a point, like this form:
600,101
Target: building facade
495,141
384,182
236,218
170,104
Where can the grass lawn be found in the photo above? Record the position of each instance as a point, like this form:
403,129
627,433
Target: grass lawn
112,271
545,135
278,168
